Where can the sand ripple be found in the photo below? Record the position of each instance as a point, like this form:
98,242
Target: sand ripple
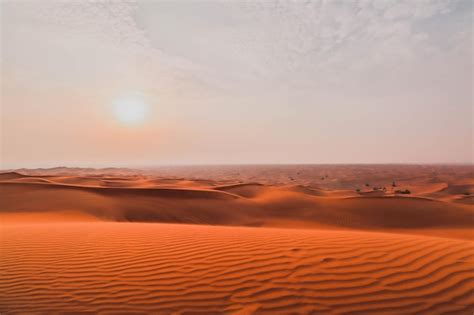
166,268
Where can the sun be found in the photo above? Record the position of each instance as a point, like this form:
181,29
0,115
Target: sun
130,109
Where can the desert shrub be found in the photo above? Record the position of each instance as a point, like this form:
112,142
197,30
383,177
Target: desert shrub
405,192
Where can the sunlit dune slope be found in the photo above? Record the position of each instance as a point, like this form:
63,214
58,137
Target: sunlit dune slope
192,269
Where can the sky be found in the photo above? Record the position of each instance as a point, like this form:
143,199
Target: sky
126,83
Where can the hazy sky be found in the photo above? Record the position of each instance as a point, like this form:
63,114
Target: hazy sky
114,83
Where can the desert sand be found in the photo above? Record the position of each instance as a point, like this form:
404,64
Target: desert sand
381,239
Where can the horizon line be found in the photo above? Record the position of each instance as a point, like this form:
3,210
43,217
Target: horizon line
150,167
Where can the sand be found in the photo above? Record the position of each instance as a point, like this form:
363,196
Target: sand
142,243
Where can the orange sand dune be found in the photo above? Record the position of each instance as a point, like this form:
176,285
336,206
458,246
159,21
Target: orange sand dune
468,200
289,240
113,268
247,190
308,190
11,175
453,191
136,199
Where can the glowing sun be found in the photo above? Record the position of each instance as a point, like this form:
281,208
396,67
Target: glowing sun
130,109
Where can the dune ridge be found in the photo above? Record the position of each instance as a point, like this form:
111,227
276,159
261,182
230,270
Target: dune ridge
144,199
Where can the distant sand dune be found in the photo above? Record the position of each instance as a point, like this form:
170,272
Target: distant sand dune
32,180
240,204
191,269
11,175
452,190
247,190
308,190
79,181
469,200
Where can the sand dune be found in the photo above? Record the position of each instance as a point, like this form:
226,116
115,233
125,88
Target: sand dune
252,204
109,243
469,200
453,192
11,175
308,190
181,269
124,204
248,190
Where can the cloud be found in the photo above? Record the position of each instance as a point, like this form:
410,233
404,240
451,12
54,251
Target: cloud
319,34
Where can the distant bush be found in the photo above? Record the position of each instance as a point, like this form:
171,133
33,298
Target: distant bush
405,192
